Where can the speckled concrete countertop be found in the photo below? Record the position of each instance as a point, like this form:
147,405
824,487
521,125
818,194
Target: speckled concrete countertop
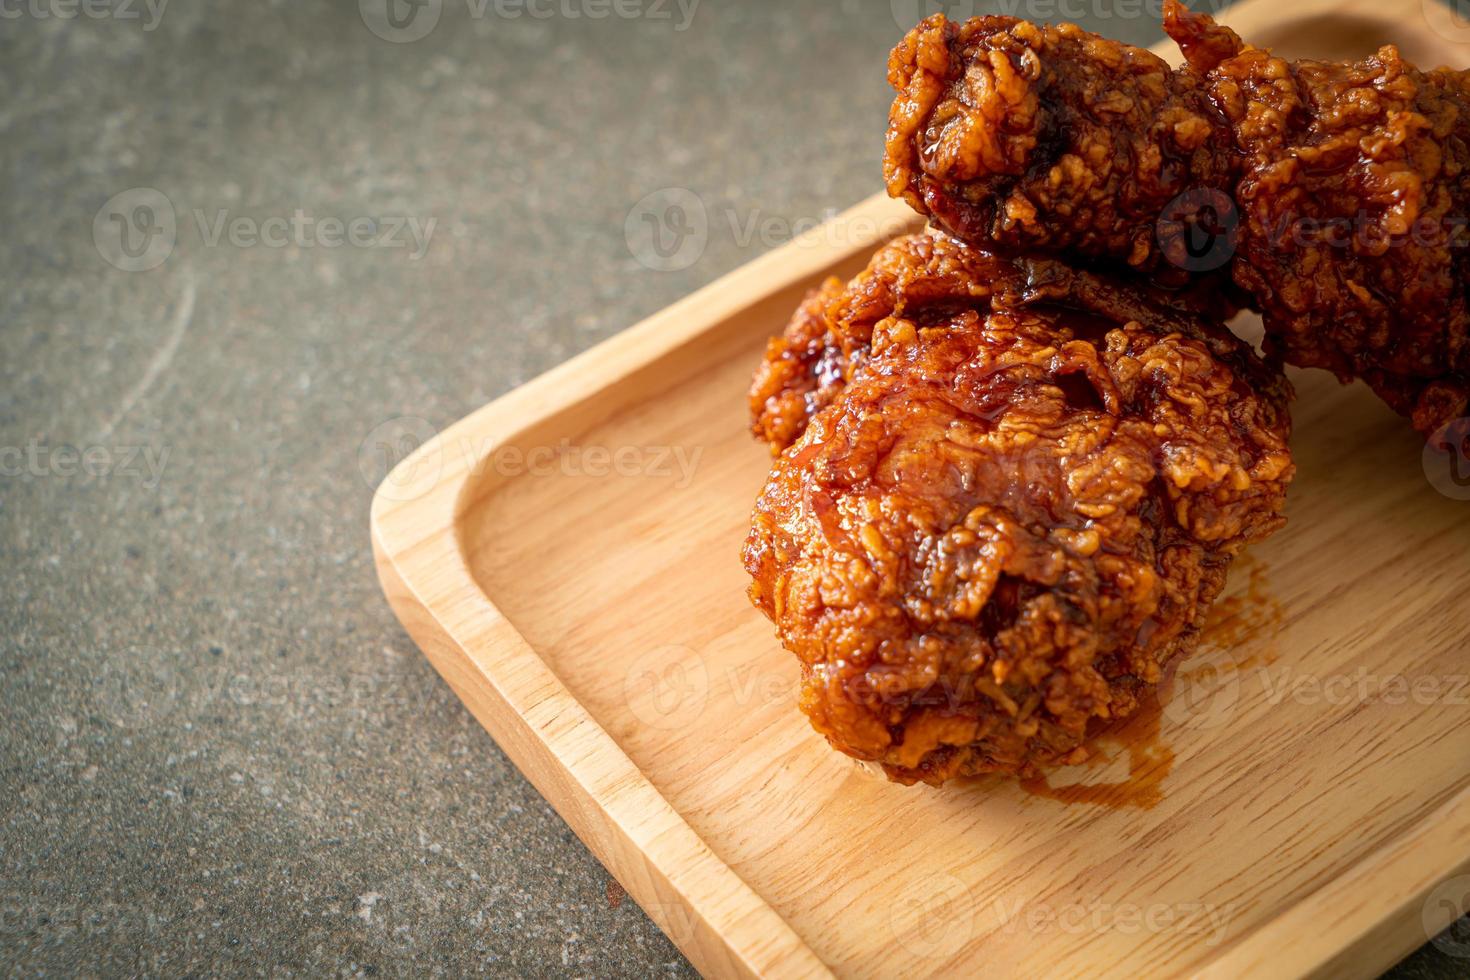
239,238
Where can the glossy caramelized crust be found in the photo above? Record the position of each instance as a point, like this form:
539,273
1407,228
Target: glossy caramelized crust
1354,198
923,277
1348,180
1015,512
806,367
1014,135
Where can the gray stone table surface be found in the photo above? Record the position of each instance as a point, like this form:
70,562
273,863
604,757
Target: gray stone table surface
239,237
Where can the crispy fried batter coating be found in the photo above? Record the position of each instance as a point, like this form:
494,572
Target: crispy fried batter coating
1016,136
806,367
1350,179
1354,194
924,277
1013,514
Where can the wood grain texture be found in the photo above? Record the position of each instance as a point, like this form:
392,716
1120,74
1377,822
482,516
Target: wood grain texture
568,558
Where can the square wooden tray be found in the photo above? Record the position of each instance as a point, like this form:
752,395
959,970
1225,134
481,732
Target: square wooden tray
568,559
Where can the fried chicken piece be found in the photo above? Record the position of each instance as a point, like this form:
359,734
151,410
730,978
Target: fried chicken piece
1353,196
1339,190
1014,513
1018,137
923,276
806,367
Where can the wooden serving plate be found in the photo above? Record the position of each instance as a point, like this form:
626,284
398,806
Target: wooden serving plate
590,610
